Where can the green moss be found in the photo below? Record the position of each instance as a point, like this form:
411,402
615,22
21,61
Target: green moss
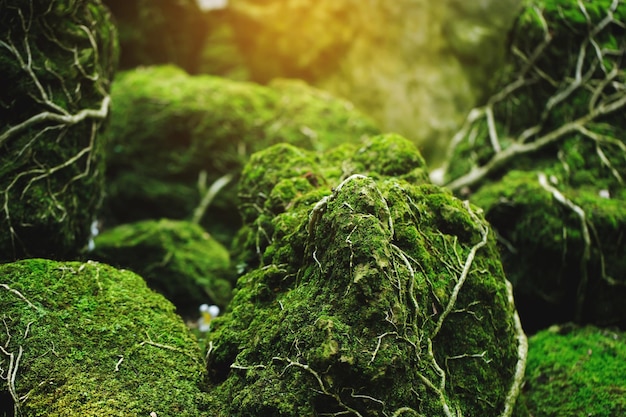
94,341
543,250
574,371
168,128
176,258
550,126
350,305
51,171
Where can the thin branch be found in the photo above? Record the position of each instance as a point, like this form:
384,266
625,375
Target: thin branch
522,355
19,294
466,269
478,174
67,119
584,260
209,196
607,96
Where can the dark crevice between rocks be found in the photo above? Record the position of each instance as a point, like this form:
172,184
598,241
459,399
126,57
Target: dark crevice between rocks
7,405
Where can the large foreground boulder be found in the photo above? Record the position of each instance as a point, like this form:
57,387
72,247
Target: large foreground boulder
172,135
370,292
575,371
85,339
546,159
57,59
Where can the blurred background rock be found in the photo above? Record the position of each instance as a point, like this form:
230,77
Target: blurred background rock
416,67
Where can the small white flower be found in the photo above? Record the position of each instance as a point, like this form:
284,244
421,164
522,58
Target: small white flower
604,194
207,313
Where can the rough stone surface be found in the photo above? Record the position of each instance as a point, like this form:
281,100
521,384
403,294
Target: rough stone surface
176,258
369,292
172,135
575,371
85,339
56,59
546,159
415,66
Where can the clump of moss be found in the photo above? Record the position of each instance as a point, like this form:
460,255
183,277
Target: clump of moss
176,258
57,59
575,371
172,135
563,267
545,158
86,339
370,295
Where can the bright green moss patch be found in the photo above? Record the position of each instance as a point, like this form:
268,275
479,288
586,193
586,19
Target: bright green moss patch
366,295
575,371
172,135
176,258
85,339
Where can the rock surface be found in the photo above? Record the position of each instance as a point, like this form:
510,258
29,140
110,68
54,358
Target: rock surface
85,339
172,135
574,371
546,159
57,59
176,258
369,292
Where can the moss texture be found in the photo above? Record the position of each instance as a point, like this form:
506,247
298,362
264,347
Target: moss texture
575,371
56,59
168,128
367,295
545,158
176,258
85,339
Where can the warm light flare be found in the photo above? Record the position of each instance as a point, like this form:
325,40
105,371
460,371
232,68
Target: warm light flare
206,5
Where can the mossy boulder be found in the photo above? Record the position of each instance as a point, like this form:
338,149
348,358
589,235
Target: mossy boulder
575,371
176,258
546,159
371,295
172,135
159,32
85,339
57,59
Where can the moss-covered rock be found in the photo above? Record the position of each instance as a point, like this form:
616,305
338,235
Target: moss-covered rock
159,32
56,59
176,258
173,134
546,159
370,295
575,371
85,339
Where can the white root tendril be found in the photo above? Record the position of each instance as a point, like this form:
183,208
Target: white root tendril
53,120
606,97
